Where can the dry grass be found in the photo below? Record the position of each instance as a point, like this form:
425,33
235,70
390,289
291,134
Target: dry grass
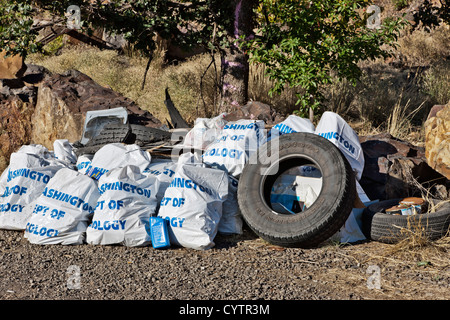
436,82
259,86
387,97
422,48
414,238
125,74
400,120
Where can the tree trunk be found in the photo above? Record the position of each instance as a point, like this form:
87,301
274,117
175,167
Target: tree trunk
235,66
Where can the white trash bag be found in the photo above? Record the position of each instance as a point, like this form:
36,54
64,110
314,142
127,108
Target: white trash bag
22,183
194,159
164,171
192,204
204,132
63,210
37,150
234,146
231,221
127,200
296,189
63,150
292,124
117,155
351,231
333,128
283,196
84,163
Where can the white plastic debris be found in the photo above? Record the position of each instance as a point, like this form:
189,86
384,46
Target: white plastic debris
296,190
192,204
126,203
351,231
63,210
22,183
117,155
234,146
204,132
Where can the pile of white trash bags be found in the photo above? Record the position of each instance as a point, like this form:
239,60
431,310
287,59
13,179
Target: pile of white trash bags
120,195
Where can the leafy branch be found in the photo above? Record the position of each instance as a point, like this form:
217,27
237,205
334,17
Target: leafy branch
300,42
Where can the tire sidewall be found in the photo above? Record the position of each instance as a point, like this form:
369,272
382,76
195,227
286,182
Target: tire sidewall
319,218
382,227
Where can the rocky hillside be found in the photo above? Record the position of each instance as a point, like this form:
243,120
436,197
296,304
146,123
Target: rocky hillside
39,107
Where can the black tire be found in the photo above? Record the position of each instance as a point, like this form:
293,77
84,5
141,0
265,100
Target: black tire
387,228
111,133
146,135
323,218
129,133
124,133
88,150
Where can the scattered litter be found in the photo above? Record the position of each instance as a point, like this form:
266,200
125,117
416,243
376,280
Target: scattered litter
159,233
408,207
121,195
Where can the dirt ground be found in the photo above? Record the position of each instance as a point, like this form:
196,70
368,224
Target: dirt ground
240,268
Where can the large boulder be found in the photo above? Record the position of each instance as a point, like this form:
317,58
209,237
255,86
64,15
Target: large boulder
40,107
395,169
64,99
17,104
16,111
12,67
437,139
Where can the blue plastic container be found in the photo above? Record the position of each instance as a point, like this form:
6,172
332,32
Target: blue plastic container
159,233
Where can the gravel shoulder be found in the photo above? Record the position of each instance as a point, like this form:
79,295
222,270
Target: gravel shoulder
240,267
